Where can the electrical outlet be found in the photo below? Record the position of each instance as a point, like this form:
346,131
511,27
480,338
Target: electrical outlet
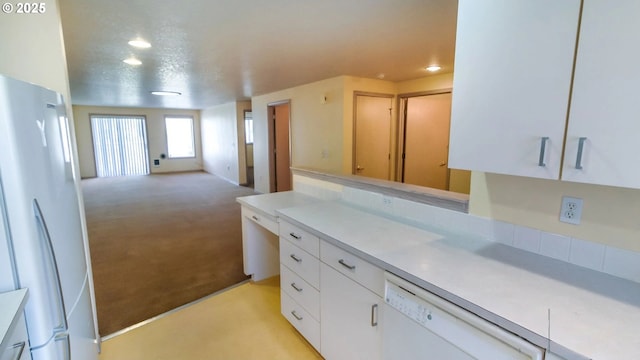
571,210
387,201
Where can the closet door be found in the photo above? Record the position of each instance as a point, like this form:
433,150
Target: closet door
604,123
513,66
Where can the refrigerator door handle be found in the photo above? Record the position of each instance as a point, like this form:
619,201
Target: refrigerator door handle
66,346
50,259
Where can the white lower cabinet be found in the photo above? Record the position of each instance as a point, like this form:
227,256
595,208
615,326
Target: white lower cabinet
350,318
300,319
17,347
299,281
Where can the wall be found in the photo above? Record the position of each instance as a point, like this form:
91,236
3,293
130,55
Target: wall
32,48
223,150
322,133
157,141
610,215
316,128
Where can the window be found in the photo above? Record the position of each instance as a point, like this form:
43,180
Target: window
120,145
180,142
248,127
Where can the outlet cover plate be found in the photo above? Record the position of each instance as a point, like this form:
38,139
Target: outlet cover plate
571,210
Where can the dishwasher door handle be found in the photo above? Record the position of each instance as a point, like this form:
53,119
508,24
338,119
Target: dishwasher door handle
374,315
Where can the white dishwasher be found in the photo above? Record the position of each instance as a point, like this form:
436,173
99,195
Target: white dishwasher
421,325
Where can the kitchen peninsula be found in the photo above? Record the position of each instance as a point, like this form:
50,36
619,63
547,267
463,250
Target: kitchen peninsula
569,310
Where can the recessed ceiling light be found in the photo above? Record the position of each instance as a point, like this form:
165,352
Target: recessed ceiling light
132,61
433,68
166,93
139,43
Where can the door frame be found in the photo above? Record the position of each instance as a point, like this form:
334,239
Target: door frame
355,126
272,142
402,128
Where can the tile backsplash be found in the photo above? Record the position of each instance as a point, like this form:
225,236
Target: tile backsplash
614,261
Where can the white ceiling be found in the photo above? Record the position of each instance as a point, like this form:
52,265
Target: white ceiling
218,51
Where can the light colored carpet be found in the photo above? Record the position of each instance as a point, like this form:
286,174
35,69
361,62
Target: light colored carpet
242,323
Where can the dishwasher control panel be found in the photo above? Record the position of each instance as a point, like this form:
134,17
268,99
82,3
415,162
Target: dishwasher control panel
401,300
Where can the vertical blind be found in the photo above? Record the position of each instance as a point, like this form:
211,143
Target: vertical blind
120,145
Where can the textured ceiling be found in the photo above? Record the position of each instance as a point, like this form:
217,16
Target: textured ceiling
217,51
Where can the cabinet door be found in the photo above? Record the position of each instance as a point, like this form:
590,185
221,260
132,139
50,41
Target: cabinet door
605,106
513,67
350,318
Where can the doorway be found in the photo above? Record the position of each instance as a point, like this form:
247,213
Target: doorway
372,135
248,144
280,154
425,139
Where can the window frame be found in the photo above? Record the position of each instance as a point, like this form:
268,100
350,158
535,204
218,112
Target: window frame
193,136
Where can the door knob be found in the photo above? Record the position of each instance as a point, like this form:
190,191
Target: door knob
359,168
443,164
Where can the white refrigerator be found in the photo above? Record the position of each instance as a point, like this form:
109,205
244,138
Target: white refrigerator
43,247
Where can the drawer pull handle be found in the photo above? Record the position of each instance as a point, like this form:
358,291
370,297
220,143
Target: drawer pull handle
294,257
255,218
343,263
293,285
543,146
18,348
580,148
295,315
295,236
374,315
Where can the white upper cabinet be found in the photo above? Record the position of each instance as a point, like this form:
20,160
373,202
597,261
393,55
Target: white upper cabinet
605,106
513,68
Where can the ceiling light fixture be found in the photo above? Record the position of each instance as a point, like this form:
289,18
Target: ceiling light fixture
433,68
132,61
139,43
166,93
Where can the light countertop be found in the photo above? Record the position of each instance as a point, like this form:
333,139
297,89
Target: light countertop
576,312
269,203
11,306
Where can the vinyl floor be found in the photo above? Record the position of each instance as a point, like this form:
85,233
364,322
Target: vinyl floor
241,323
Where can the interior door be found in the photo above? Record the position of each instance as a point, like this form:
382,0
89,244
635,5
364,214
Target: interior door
426,140
372,136
282,156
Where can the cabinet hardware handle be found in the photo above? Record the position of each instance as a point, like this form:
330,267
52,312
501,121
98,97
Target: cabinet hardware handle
293,285
294,257
18,348
293,235
543,148
580,148
255,218
343,263
374,315
295,315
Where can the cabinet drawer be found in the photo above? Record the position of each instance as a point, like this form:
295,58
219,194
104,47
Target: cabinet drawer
300,262
301,320
17,344
300,291
303,239
260,219
354,267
